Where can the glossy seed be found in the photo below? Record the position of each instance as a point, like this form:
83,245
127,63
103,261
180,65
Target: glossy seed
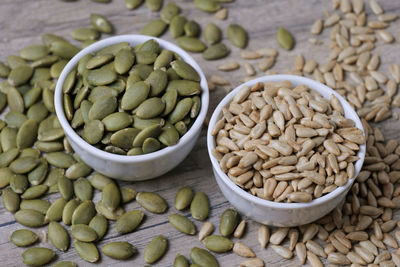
119,250
5,177
158,81
8,156
87,251
202,257
101,76
154,28
58,236
37,256
150,108
152,202
155,249
182,224
216,51
191,28
217,243
169,136
15,100
183,198
83,213
180,261
200,206
237,35
285,38
65,187
163,59
100,225
191,44
23,237
30,218
100,23
68,210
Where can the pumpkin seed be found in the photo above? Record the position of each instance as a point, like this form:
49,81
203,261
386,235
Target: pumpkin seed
4,70
191,28
182,224
15,61
212,33
20,75
10,200
169,136
132,4
163,59
145,57
129,221
5,177
40,75
27,133
60,159
169,11
124,138
14,119
200,207
58,236
124,60
87,251
109,214
183,198
37,112
207,5
84,34
185,71
23,164
155,249
15,100
19,183
141,124
237,35
119,250
35,191
30,218
93,131
48,99
218,244
45,61
37,256
100,225
63,49
37,175
117,121
65,264
54,213
100,23
182,108
102,76
84,213
181,261
216,51
154,5
150,145
65,187
34,52
158,81
23,237
99,181
154,28
229,221
56,68
8,156
98,61
285,38
102,107
191,44
77,170
184,87
111,196
83,232
135,151
151,131
127,194
202,257
82,189
176,26
32,96
38,205
8,139
152,202
53,176
68,211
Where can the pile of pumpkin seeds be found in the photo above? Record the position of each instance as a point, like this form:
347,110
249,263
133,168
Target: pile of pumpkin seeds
154,85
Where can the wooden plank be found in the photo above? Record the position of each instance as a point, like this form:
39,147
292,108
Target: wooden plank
22,23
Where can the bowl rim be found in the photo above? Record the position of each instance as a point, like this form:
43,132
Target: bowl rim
133,39
281,205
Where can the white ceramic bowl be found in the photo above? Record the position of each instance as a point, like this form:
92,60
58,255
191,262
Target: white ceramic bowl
141,167
276,213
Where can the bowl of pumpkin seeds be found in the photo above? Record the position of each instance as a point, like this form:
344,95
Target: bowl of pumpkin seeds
132,106
285,149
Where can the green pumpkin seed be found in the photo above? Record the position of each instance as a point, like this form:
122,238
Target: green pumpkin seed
93,131
63,49
49,38
34,52
176,27
84,34
150,108
229,221
69,82
182,224
146,57
141,124
111,196
202,257
15,100
157,80
181,110
117,121
82,189
40,75
100,92
155,249
98,61
48,99
142,70
5,177
37,175
68,108
216,51
32,96
30,218
84,213
20,75
135,95
124,138
200,206
3,101
185,71
58,236
37,112
69,210
115,150
169,136
135,151
87,251
77,170
183,198
45,61
102,76
15,61
15,118
207,5
219,244
152,202
119,250
27,134
184,87
8,156
24,164
38,205
237,35
23,237
85,107
181,261
100,225
212,33
191,44
65,187
30,152
170,97
60,159
172,74
106,212
35,192
54,213
169,11
4,70
51,134
77,120
37,256
113,49
151,131
127,194
100,23
194,111
132,4
53,177
150,145
56,68
163,59
129,221
124,60
102,107
83,232
285,38
154,5
65,264
150,45
99,181
10,200
154,28
19,183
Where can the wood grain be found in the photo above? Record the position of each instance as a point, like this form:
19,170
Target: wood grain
22,22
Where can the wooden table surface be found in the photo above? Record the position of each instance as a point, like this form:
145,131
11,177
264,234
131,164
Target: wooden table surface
22,22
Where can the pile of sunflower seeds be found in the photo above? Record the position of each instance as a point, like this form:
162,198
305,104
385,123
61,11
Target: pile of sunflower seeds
156,86
286,143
